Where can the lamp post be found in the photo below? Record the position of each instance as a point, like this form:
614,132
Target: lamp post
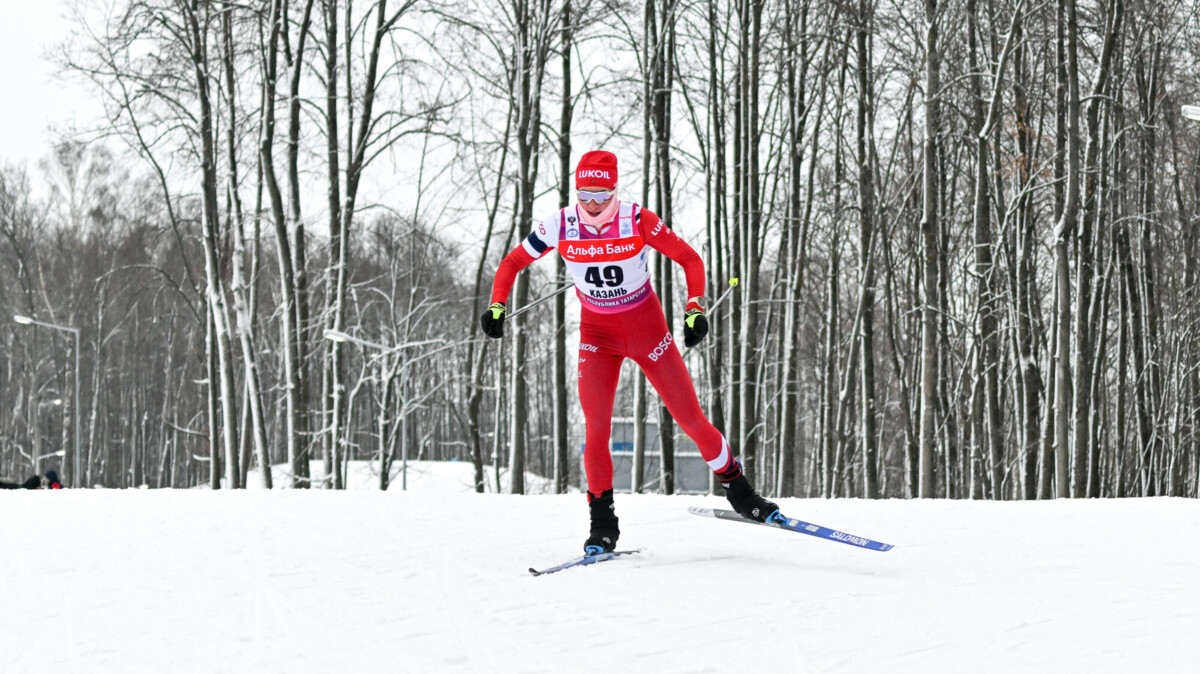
74,461
339,336
38,439
37,460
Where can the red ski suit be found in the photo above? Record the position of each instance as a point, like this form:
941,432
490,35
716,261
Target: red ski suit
621,318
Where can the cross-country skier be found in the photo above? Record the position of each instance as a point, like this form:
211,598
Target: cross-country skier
603,242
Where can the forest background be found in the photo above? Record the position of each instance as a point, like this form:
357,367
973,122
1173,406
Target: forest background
964,233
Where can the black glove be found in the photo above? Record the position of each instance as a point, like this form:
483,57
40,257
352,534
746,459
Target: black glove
492,320
695,327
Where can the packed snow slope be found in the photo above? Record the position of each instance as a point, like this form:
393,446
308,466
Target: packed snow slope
435,580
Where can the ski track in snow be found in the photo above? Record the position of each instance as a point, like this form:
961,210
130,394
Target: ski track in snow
435,580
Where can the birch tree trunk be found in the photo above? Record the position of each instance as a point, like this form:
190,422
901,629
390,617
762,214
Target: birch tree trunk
562,465
864,118
1030,379
240,290
987,434
735,229
831,413
798,219
931,257
361,138
215,288
297,455
478,362
637,478
533,20
1063,231
661,38
335,275
1085,432
749,218
715,182
299,246
1148,79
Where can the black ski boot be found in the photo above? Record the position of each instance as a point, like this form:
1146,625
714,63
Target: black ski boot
604,533
745,501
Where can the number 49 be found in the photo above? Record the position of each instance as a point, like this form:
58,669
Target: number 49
613,276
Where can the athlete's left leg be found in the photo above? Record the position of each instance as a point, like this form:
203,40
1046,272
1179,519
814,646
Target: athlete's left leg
666,371
656,353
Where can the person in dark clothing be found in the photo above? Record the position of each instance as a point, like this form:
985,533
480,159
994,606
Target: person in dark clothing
34,482
52,481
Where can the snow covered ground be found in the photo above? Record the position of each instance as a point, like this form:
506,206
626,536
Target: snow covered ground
435,580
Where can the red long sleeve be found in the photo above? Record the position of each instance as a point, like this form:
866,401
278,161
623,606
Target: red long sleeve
506,273
667,242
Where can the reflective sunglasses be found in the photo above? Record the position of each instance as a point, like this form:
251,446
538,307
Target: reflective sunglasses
595,197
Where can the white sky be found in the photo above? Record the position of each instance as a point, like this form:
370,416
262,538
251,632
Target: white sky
35,99
38,102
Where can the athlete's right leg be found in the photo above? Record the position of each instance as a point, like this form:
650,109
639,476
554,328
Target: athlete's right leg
598,375
599,370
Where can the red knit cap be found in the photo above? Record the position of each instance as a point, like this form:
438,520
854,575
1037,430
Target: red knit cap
596,170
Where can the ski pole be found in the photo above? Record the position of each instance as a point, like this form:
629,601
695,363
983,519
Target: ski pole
732,284
538,301
733,281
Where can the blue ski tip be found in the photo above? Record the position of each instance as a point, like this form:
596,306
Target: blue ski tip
584,561
777,520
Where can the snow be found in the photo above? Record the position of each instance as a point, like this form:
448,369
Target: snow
435,580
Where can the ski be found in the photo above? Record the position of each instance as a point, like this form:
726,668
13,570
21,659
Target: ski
583,561
798,526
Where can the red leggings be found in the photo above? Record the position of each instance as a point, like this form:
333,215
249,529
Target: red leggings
640,333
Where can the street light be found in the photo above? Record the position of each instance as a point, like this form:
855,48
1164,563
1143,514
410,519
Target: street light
74,462
37,460
339,336
1191,112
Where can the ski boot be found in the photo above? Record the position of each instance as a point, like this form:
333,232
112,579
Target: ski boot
745,501
604,532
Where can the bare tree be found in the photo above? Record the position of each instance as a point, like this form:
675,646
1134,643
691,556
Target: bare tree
931,254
